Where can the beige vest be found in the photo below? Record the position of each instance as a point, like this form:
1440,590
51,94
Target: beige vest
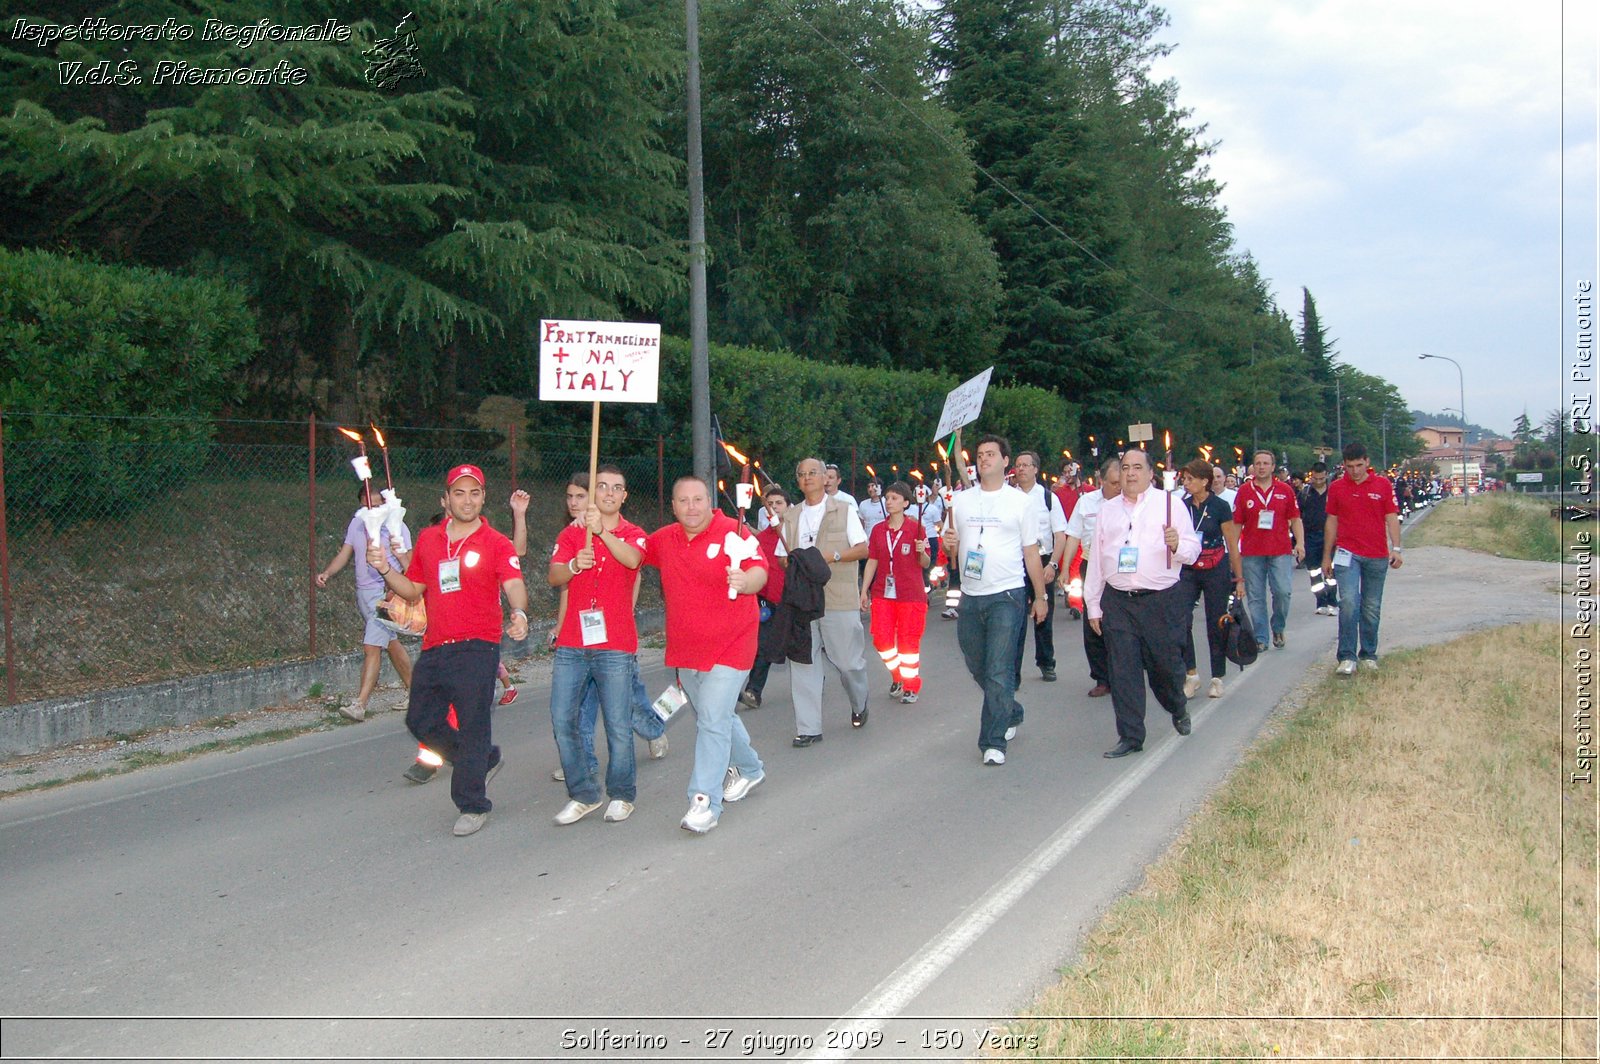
842,592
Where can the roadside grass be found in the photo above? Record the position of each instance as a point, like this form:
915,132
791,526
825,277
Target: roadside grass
1507,526
1382,878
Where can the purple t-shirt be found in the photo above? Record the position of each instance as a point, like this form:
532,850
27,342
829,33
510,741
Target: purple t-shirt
355,536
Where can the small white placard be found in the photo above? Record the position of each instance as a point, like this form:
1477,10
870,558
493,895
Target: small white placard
963,405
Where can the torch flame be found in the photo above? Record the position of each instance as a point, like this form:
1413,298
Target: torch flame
943,455
378,434
1166,437
870,470
734,453
350,434
917,473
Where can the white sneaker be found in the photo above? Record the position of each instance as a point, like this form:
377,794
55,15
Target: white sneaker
994,757
699,819
559,774
658,748
1346,668
467,823
1011,733
1191,685
1370,664
738,785
1216,688
575,811
356,711
618,811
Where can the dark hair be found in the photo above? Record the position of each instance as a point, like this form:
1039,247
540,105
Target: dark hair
902,489
989,437
578,480
1038,463
776,489
1200,469
1354,450
614,470
1263,450
1318,467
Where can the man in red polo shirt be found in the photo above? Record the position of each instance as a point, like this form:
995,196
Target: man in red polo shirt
597,564
460,567
1266,512
711,571
1361,540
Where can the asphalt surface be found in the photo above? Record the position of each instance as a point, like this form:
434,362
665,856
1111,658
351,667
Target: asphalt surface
880,895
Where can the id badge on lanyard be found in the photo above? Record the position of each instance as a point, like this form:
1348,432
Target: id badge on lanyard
1341,557
1265,519
1128,559
450,575
592,626
888,586
974,564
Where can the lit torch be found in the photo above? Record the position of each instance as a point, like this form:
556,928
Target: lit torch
394,517
744,491
362,467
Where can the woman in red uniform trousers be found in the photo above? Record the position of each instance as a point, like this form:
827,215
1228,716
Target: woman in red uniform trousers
892,588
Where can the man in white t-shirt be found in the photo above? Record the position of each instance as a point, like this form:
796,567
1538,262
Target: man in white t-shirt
1219,485
1080,532
834,529
831,481
1052,545
993,536
871,509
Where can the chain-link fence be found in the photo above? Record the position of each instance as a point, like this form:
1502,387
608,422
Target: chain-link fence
150,554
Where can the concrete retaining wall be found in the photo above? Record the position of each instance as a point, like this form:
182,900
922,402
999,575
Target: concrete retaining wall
31,727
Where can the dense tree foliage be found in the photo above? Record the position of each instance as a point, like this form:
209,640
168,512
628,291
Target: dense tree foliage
888,185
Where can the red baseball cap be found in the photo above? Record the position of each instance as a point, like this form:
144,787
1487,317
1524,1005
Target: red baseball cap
465,471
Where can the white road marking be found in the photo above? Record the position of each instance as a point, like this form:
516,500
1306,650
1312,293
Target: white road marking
901,987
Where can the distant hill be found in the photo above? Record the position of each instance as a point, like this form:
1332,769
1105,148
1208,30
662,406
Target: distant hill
1475,432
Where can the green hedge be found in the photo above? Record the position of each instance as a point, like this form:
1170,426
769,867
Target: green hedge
84,338
779,407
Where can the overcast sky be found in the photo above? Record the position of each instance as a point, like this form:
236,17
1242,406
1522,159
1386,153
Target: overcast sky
1402,159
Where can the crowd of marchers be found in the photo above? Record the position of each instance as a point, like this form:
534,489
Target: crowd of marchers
815,575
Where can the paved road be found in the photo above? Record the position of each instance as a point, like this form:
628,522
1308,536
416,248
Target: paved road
883,874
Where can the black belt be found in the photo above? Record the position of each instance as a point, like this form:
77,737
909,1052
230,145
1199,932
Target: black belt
1136,594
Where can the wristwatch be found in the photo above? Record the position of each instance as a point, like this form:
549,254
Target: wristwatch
835,555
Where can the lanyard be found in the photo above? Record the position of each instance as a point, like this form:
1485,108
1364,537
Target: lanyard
895,542
450,555
1266,498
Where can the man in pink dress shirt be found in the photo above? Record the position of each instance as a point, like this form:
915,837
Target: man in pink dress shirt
1131,596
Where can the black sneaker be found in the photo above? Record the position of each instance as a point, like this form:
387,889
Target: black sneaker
749,699
420,773
1047,675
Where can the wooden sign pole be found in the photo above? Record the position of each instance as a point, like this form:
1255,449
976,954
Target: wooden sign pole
594,464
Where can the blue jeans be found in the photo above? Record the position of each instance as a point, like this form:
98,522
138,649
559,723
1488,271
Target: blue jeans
1260,571
987,631
720,739
646,725
1360,605
612,672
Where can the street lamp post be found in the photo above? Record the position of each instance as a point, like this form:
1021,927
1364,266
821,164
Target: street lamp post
1461,379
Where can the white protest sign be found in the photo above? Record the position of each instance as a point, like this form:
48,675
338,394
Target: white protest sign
963,405
599,361
1141,433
